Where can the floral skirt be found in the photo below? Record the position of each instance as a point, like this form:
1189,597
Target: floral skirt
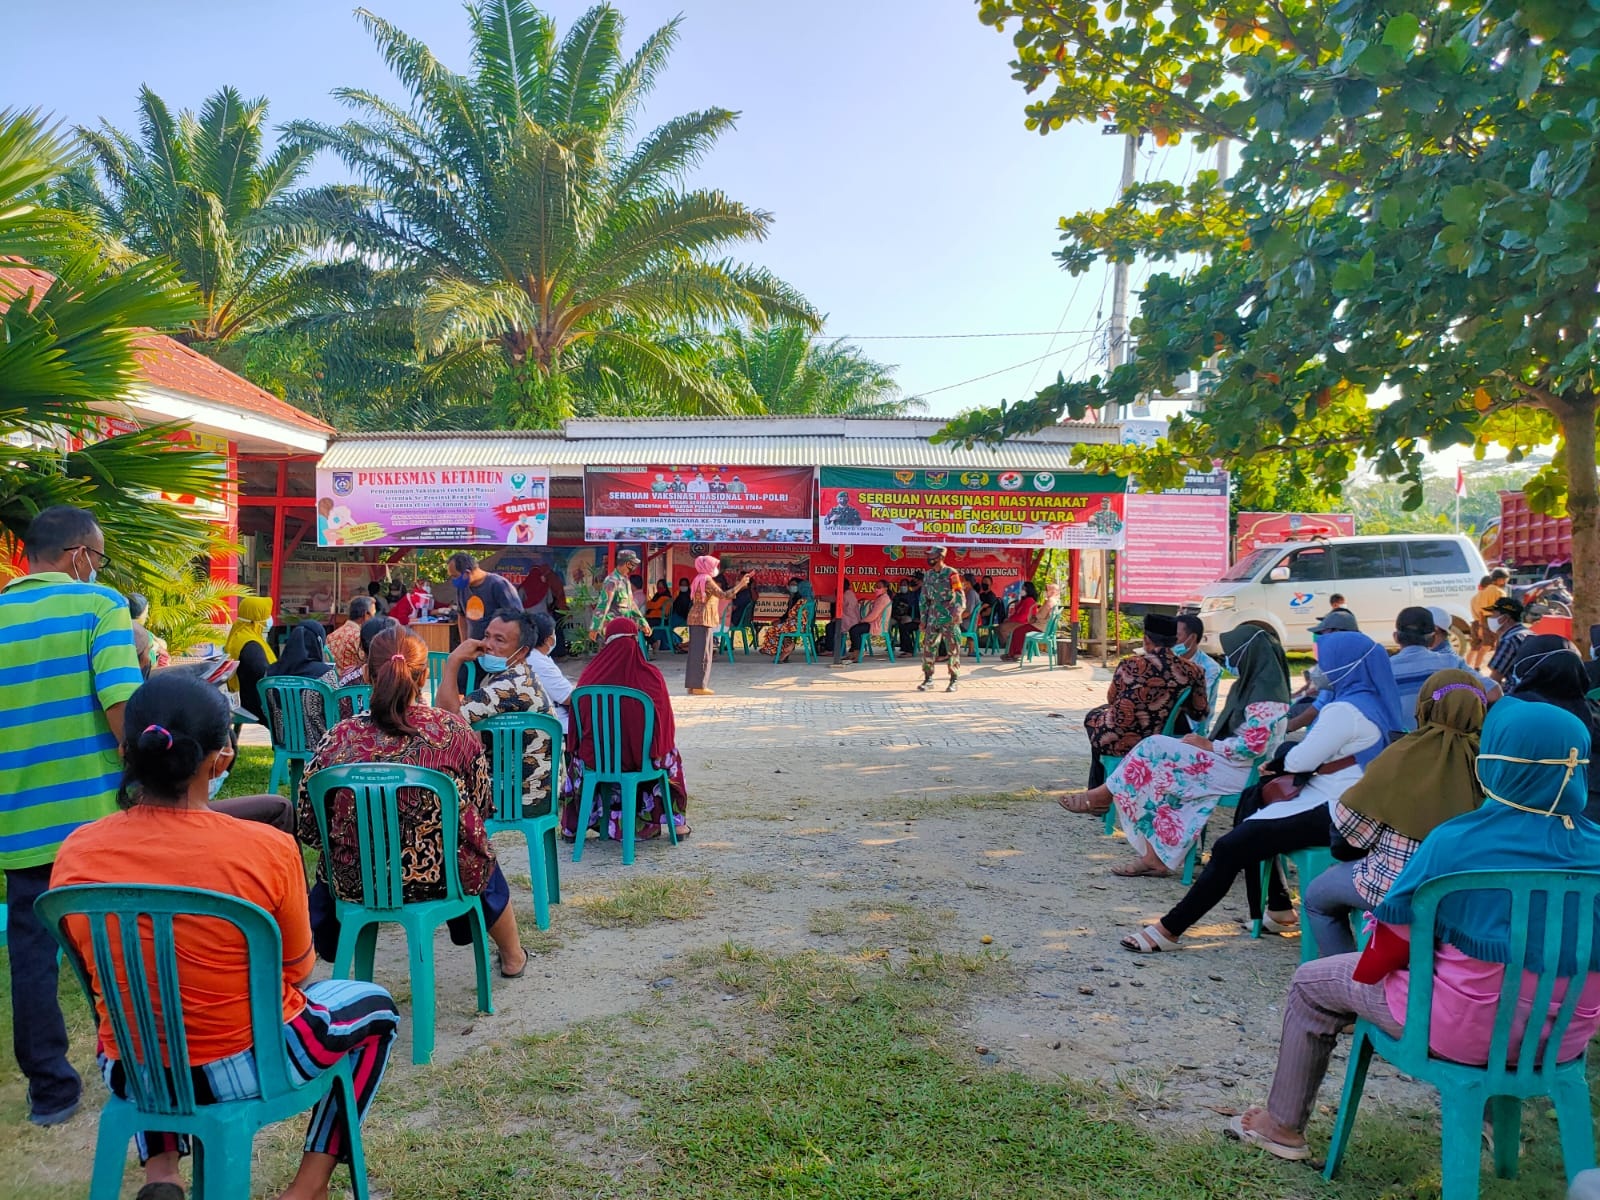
652,809
1165,791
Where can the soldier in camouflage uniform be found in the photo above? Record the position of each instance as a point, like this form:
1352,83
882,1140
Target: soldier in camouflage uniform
943,606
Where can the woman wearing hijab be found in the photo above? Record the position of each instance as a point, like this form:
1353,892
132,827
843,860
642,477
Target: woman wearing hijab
1166,789
706,597
247,645
304,653
799,593
1352,728
1549,670
1419,782
1532,819
620,663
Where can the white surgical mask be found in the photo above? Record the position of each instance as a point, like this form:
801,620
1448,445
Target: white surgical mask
214,785
1495,623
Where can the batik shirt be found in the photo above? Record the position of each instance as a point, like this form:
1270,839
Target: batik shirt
517,690
942,602
1143,693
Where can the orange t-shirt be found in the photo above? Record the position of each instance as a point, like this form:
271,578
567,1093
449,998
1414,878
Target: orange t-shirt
192,848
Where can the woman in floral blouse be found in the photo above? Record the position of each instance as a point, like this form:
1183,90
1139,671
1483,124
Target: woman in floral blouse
400,728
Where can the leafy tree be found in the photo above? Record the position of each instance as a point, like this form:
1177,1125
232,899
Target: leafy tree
537,230
1414,210
67,344
786,373
202,191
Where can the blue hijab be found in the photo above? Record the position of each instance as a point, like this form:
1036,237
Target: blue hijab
1359,673
1532,820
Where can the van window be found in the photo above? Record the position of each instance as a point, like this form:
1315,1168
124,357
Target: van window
1314,564
1370,560
1436,558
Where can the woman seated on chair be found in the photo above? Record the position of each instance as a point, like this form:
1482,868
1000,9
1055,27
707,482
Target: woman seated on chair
620,663
1532,767
401,728
1166,789
1549,669
1020,622
799,594
175,745
303,658
658,611
1349,733
1418,783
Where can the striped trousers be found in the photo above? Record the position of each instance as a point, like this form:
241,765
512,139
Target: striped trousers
343,1018
1323,998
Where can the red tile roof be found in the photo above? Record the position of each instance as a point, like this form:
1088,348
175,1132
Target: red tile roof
171,365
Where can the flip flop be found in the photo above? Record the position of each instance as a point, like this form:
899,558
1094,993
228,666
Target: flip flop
1082,805
1139,869
527,959
1148,940
1249,1137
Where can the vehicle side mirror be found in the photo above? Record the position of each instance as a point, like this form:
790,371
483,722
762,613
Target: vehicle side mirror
1278,575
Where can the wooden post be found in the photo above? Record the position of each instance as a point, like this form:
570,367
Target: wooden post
276,584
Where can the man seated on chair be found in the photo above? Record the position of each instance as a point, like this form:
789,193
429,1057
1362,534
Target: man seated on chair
1190,630
1144,691
507,683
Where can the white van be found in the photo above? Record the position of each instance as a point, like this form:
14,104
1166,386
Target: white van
1286,588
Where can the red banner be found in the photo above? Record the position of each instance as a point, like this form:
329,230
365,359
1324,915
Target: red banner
1257,529
697,504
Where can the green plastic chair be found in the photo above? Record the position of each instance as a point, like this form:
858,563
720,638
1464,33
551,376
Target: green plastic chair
291,748
991,631
1044,643
357,695
746,632
1112,762
374,788
805,633
886,637
1308,864
1195,851
506,736
161,1093
436,662
722,639
970,633
599,709
1514,1073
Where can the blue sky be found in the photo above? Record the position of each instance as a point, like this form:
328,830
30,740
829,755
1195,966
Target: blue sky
885,136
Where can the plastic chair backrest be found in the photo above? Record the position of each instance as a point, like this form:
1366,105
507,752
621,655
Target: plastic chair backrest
359,695
374,790
1052,625
599,709
1177,711
1567,901
288,728
507,734
146,1013
972,622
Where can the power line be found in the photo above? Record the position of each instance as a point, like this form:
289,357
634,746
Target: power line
1003,370
935,337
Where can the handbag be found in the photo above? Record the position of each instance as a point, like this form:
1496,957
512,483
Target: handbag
1287,787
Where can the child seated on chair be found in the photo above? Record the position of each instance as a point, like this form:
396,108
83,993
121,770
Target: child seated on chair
175,745
401,728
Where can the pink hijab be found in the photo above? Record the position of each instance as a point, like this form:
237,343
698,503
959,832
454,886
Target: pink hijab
707,565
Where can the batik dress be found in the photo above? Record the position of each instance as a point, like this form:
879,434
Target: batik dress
1165,789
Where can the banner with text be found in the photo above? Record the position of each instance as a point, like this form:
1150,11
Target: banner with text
507,506
1039,509
697,504
1177,540
1258,529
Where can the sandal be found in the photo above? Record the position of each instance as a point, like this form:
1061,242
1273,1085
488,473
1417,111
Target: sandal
1243,1134
1139,869
1148,940
1272,926
527,958
1078,802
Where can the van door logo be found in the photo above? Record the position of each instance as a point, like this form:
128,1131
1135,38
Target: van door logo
1301,599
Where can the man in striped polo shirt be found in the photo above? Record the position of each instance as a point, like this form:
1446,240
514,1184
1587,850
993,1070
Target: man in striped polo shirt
67,665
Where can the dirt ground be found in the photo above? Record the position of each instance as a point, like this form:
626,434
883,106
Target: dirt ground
816,790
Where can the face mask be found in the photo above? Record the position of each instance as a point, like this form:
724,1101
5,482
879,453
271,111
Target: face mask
794,589
493,663
461,581
1495,623
1525,668
1228,663
267,624
214,785
1321,680
1182,649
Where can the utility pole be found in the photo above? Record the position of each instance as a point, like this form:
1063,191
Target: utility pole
1117,339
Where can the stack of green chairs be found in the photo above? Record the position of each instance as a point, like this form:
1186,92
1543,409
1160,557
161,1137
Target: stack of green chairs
149,1013
291,747
599,710
1517,1070
507,735
374,789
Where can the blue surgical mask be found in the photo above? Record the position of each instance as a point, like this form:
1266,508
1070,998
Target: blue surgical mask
492,663
214,785
267,624
1182,649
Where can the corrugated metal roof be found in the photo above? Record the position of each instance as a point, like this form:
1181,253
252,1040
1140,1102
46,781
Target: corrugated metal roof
392,451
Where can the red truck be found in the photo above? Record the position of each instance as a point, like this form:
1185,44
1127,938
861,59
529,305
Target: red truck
1525,540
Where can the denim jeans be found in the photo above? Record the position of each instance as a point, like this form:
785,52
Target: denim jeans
38,1030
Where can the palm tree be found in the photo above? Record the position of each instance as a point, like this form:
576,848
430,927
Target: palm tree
67,341
787,373
537,228
201,191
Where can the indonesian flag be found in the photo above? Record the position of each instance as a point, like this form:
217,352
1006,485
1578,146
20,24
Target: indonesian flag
1461,482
